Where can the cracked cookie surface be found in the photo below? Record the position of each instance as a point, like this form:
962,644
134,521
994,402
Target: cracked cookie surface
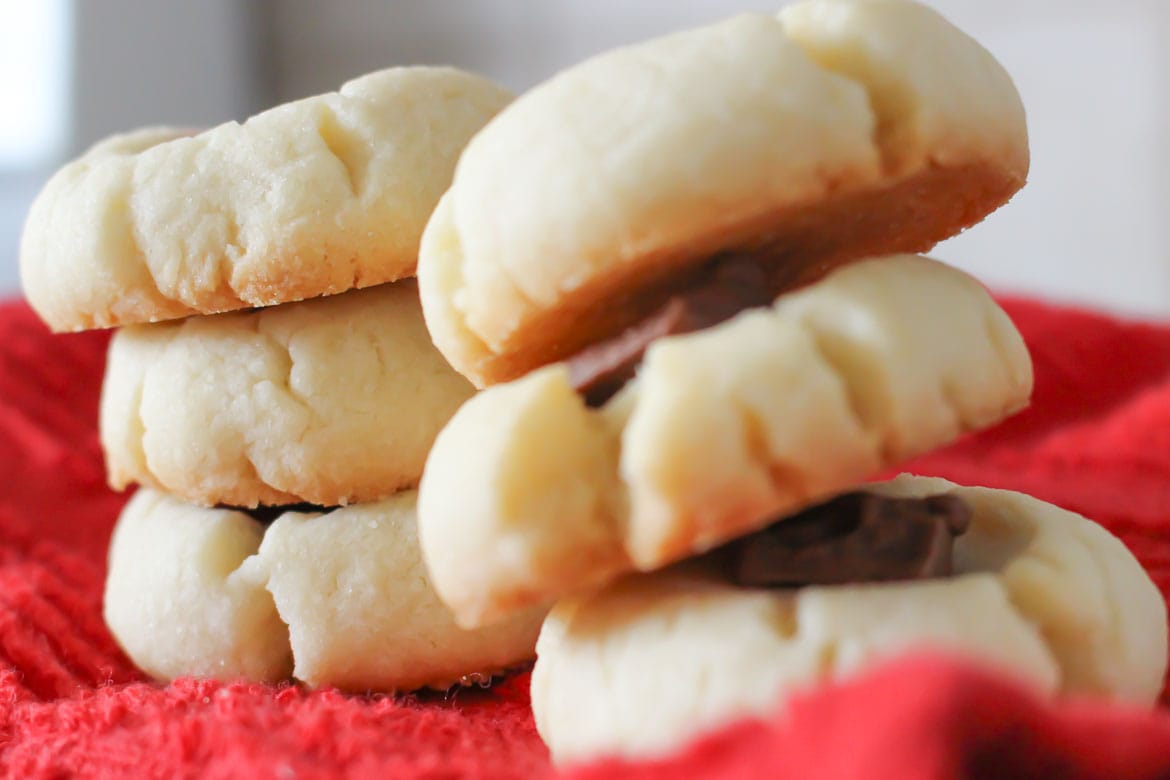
838,129
328,401
530,494
313,197
338,598
653,659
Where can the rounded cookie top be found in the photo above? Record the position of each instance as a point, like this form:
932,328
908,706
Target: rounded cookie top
1037,591
530,494
838,129
328,401
335,599
310,198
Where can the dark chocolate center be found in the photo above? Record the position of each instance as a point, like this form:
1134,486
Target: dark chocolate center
267,514
855,537
728,284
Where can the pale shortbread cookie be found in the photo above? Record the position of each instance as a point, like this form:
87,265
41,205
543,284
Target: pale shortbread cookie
309,198
646,664
528,494
327,401
837,130
178,601
338,599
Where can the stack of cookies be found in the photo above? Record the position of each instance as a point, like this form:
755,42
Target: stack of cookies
679,271
271,384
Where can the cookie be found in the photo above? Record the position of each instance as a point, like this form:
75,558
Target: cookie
837,130
327,401
652,660
530,494
310,198
339,598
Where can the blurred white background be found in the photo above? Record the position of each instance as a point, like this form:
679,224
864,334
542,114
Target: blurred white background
1092,227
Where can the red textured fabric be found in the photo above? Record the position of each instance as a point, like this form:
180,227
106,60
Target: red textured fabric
1096,440
924,717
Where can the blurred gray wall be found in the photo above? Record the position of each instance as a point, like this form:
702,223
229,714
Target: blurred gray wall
134,63
185,63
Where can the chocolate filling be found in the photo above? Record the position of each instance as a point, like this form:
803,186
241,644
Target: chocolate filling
855,537
266,515
726,286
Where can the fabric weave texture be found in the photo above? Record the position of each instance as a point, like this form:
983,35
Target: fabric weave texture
1096,440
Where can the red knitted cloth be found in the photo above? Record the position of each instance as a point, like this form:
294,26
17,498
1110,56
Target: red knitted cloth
1097,440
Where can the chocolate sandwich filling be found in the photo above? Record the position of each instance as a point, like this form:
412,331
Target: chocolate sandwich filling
266,515
854,538
727,285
